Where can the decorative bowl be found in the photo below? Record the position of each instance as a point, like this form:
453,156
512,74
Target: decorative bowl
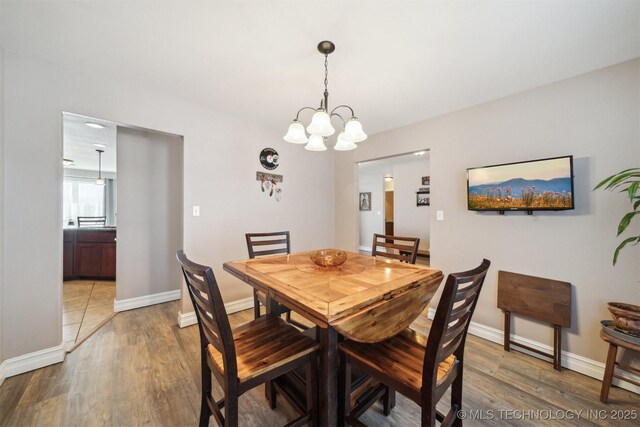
328,258
626,317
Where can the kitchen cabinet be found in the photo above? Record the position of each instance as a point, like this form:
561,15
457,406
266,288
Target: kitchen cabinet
90,253
69,253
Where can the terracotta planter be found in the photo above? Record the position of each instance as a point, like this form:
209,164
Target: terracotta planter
626,317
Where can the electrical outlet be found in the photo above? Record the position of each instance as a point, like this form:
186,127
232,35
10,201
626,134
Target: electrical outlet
196,211
440,215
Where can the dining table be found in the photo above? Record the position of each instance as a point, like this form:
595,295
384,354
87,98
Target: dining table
367,299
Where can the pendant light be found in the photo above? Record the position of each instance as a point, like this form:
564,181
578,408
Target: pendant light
100,180
320,127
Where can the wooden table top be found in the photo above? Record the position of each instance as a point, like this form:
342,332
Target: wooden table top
331,295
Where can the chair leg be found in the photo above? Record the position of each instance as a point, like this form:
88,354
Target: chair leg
344,391
231,408
271,394
256,304
205,411
312,388
456,397
428,407
388,400
608,373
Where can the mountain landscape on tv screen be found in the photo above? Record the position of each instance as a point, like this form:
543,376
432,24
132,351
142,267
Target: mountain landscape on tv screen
520,193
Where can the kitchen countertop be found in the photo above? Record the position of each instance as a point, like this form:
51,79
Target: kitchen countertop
75,227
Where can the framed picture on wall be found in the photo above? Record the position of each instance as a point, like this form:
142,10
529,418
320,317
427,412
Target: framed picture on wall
422,199
365,201
426,180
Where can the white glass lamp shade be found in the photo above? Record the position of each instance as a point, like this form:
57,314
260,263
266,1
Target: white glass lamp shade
353,131
321,124
295,134
344,144
100,181
316,143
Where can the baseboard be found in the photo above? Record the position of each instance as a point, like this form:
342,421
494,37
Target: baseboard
188,319
30,361
146,300
3,371
365,248
574,362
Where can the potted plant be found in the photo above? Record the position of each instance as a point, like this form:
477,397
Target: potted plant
626,317
627,181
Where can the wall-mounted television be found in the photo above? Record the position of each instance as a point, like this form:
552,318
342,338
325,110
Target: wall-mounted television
534,185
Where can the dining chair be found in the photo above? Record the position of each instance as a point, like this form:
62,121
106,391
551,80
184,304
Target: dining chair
404,249
421,368
250,355
266,244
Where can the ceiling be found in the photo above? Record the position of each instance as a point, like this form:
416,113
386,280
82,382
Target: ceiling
396,62
385,166
79,139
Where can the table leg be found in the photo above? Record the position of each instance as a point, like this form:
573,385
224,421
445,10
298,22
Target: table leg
608,372
328,376
557,347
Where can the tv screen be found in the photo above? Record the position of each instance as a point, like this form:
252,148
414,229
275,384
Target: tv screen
545,184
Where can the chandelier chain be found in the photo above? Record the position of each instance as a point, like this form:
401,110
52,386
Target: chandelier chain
326,71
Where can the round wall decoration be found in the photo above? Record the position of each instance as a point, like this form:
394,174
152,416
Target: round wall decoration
269,158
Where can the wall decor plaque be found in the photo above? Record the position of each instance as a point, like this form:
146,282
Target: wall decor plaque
269,158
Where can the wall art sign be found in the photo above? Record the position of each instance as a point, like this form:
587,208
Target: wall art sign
365,201
270,184
426,180
423,199
269,158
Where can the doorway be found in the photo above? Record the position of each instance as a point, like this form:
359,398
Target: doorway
399,188
135,221
89,226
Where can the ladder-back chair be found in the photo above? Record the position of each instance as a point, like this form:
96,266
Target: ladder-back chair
253,354
421,368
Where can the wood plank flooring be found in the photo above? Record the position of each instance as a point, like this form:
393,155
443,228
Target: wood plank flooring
86,304
142,369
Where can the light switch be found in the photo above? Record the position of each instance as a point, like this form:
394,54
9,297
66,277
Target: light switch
196,211
379,213
440,215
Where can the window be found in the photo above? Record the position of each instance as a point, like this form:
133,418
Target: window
82,197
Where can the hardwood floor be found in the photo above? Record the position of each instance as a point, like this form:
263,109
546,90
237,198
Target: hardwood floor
86,305
142,369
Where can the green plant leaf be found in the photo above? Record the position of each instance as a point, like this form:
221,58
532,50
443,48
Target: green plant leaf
622,245
636,204
621,179
624,222
633,189
604,181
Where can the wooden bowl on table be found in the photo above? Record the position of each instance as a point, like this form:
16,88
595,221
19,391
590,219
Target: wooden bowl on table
328,258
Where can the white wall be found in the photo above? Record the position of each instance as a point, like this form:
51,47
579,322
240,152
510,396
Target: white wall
595,117
411,220
149,213
220,158
2,129
371,180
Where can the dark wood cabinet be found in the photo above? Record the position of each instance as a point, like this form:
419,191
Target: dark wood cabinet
89,254
86,259
68,253
107,262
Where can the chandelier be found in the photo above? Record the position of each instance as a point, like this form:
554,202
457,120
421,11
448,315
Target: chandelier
100,179
320,127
